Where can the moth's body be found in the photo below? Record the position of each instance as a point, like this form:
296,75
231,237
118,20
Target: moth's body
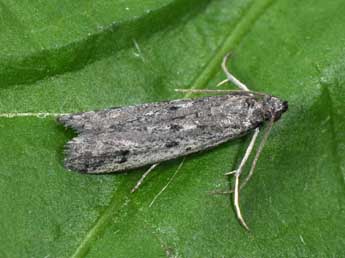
124,138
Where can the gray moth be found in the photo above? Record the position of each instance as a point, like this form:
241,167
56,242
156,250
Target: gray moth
118,139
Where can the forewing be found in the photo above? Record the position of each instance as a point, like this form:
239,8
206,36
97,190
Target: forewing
124,138
158,116
123,118
113,151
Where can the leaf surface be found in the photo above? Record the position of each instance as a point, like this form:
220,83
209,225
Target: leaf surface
62,56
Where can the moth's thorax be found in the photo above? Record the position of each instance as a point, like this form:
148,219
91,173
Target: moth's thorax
254,105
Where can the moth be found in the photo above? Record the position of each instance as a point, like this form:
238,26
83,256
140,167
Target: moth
123,138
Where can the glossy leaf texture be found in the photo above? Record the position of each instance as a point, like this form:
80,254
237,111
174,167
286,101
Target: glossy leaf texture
71,56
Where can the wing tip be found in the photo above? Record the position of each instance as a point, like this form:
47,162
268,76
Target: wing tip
71,157
73,121
77,160
65,120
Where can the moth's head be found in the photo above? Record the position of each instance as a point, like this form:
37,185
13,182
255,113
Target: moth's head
274,107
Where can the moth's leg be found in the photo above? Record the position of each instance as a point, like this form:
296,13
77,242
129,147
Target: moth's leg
237,175
258,152
247,153
231,77
238,172
170,180
143,177
222,82
244,160
230,173
225,192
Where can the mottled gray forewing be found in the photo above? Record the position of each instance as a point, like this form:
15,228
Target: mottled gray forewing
147,115
113,151
130,137
124,118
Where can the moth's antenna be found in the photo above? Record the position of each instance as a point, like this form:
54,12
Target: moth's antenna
258,152
219,91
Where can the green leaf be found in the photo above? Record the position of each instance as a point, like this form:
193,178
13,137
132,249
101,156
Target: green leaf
69,56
